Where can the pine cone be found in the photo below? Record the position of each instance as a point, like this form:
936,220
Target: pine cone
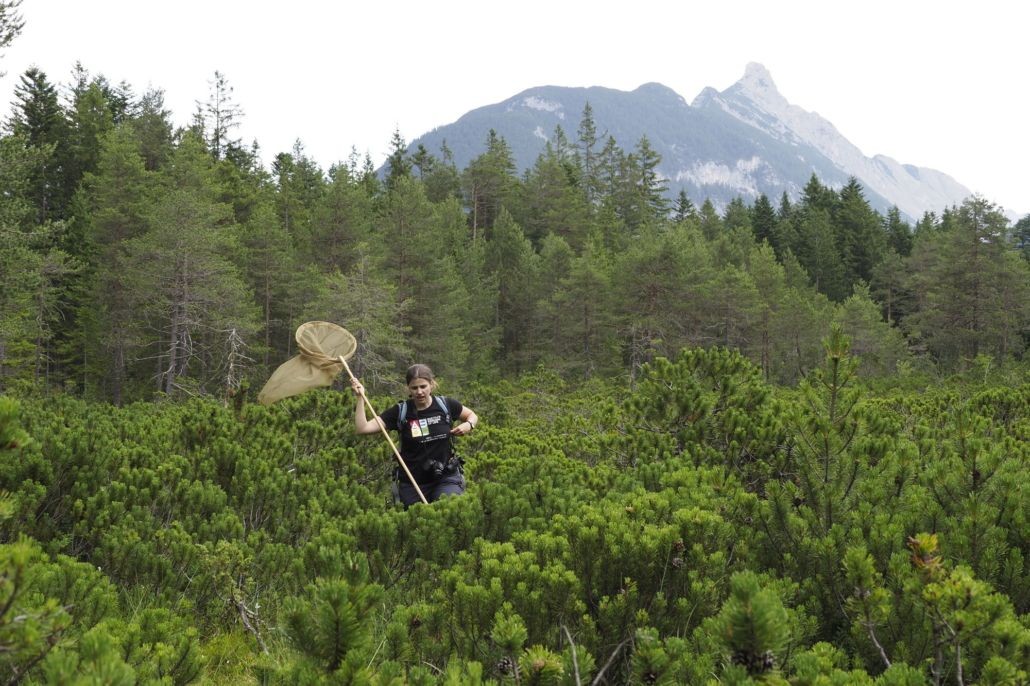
507,666
754,663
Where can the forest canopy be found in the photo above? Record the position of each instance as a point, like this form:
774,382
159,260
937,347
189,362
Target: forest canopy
141,260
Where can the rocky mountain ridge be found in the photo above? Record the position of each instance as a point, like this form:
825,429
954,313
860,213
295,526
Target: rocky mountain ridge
741,142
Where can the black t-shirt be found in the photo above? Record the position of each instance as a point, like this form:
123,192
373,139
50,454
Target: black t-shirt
425,434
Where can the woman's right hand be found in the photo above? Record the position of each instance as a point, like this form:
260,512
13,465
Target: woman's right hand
356,386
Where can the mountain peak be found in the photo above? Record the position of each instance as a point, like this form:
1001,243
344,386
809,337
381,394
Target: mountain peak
758,86
743,141
757,74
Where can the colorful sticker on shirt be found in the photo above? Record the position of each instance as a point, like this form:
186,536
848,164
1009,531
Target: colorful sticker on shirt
416,429
424,426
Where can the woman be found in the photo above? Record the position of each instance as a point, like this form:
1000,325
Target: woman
424,424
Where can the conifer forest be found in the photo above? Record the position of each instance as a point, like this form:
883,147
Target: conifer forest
780,442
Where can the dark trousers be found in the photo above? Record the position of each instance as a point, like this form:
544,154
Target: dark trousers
448,484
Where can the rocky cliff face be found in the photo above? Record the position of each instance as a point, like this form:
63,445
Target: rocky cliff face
744,141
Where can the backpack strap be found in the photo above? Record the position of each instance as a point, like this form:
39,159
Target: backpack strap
442,402
402,410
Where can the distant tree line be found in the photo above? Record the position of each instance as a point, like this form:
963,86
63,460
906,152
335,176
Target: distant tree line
140,259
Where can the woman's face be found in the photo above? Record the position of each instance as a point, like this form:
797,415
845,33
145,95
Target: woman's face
420,390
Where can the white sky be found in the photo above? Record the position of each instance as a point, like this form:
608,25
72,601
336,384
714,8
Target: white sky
936,84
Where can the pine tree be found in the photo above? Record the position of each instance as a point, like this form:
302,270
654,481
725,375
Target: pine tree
17,257
878,345
419,243
685,209
763,221
889,285
341,219
711,222
92,114
510,257
35,272
423,161
443,181
153,128
398,163
587,139
659,284
927,224
653,186
196,299
737,216
815,196
752,626
972,295
579,315
552,201
279,283
301,188
40,121
367,305
860,235
899,233
330,624
819,254
115,198
489,184
219,116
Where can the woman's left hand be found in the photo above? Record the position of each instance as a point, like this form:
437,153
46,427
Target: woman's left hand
462,429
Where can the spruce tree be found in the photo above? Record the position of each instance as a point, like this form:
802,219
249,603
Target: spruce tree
763,221
443,181
711,222
153,127
301,188
899,233
860,235
971,294
553,202
398,164
489,184
653,186
219,116
115,198
510,257
820,256
41,122
737,216
196,300
684,208
341,219
587,139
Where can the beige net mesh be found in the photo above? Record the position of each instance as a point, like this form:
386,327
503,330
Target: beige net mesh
321,345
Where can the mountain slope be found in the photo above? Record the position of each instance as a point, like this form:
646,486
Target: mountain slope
743,141
755,101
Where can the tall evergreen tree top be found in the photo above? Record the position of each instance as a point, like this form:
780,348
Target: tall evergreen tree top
398,164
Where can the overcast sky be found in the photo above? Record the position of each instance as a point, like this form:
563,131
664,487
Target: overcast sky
936,84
